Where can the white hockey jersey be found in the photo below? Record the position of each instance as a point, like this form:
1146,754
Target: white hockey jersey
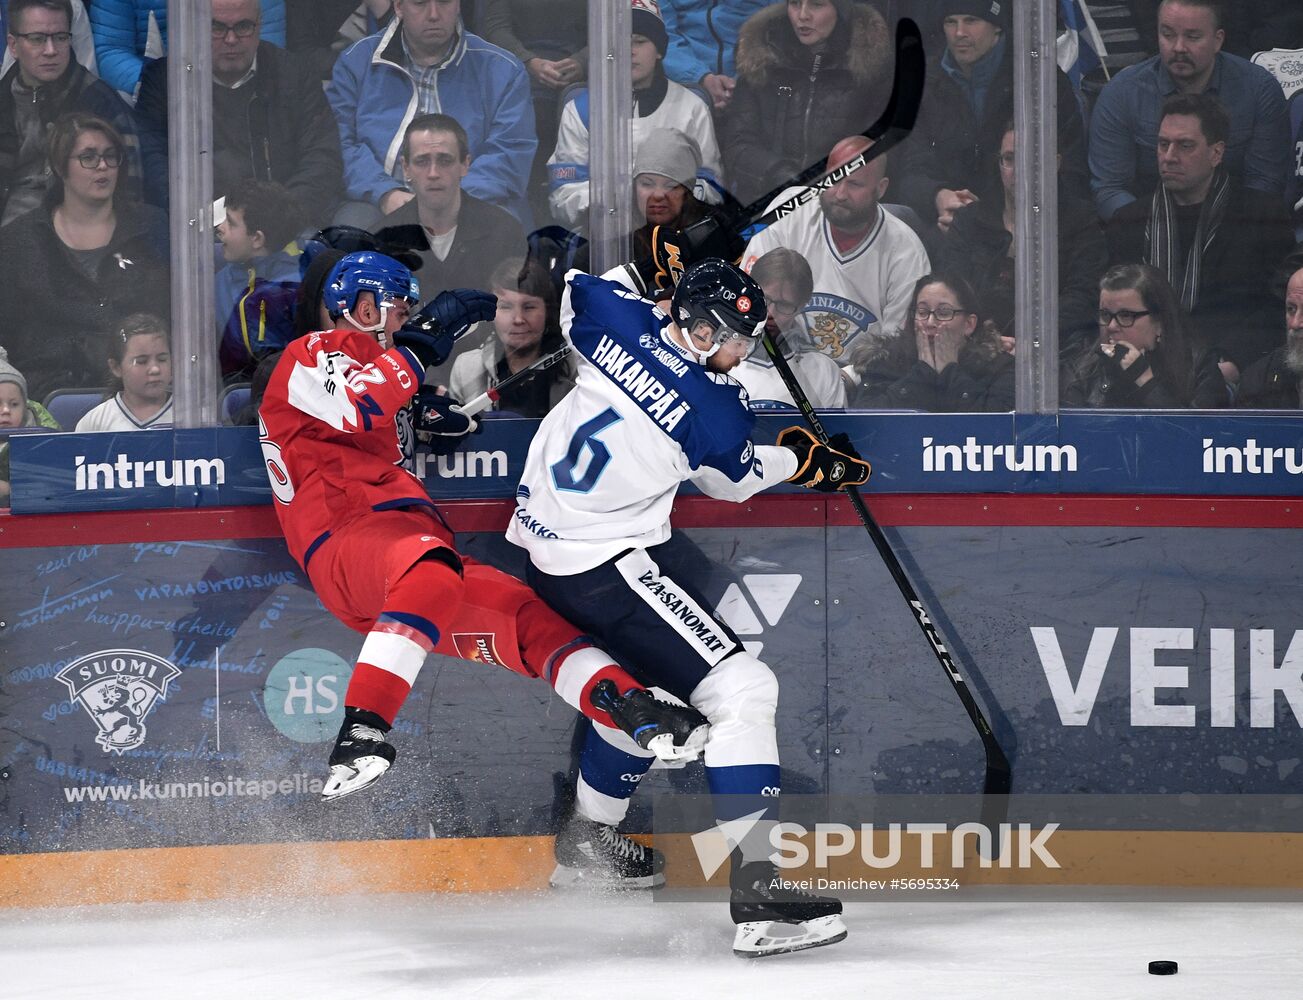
644,416
113,415
817,373
860,294
567,167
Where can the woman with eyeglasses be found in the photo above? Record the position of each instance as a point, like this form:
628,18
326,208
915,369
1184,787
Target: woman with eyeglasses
75,266
1145,356
944,360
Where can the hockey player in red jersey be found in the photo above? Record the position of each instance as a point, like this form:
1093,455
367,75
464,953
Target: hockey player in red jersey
337,432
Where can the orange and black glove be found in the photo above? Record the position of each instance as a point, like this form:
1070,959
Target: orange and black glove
824,467
674,251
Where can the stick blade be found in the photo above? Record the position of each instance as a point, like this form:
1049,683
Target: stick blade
892,127
910,77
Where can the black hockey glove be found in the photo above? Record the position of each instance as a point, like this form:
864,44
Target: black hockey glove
674,251
826,468
431,333
439,420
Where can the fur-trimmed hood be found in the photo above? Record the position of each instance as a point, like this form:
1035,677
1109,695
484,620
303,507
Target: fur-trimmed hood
767,42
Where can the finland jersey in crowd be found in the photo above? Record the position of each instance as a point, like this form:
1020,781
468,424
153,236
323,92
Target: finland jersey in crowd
643,417
860,293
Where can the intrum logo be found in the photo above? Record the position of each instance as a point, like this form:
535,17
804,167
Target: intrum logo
124,474
1251,458
466,465
973,456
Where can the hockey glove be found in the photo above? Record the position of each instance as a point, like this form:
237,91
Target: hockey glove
674,251
431,333
439,420
824,467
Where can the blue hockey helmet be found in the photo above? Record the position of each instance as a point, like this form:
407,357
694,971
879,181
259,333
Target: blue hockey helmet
367,271
725,298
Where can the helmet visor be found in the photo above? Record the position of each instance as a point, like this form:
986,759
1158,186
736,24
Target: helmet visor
726,337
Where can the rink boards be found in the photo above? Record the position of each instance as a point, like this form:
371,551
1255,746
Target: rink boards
169,682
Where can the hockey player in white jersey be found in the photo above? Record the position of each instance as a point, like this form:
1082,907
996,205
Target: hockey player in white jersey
653,407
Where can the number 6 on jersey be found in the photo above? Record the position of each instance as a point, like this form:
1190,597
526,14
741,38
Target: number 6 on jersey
585,439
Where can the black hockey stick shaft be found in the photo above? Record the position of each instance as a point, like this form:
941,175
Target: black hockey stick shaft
486,399
893,125
998,777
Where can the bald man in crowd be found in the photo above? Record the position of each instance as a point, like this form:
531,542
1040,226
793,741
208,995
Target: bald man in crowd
865,260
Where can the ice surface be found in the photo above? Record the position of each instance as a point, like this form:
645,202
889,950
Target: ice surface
576,947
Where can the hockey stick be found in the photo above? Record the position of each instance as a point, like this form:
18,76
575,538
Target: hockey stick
998,775
893,125
486,399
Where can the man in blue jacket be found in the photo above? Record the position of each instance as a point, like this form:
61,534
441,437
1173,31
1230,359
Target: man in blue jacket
703,36
426,62
1190,60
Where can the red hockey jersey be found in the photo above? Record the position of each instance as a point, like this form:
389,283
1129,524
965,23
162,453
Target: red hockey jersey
332,436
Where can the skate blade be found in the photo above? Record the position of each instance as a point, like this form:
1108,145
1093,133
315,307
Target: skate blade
664,749
765,937
345,778
565,877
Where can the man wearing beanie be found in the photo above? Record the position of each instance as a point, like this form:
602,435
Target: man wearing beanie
952,157
658,103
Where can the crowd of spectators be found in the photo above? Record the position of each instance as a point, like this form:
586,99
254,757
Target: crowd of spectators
454,128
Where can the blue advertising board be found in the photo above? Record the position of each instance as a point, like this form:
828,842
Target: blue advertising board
1153,453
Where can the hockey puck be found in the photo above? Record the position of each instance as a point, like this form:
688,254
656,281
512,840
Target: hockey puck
1162,968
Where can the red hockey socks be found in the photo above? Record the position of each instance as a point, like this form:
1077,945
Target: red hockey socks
396,646
579,668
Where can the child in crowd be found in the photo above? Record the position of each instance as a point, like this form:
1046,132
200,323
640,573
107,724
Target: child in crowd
658,103
257,286
526,326
141,363
16,410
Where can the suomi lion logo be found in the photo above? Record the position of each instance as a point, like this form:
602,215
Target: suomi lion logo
118,688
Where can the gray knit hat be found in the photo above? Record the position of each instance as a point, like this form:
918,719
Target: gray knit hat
8,373
670,153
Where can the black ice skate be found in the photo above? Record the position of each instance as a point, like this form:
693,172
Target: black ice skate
774,917
596,855
361,754
672,732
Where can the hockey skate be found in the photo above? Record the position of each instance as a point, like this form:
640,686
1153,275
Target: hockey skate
361,754
674,733
599,856
774,917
